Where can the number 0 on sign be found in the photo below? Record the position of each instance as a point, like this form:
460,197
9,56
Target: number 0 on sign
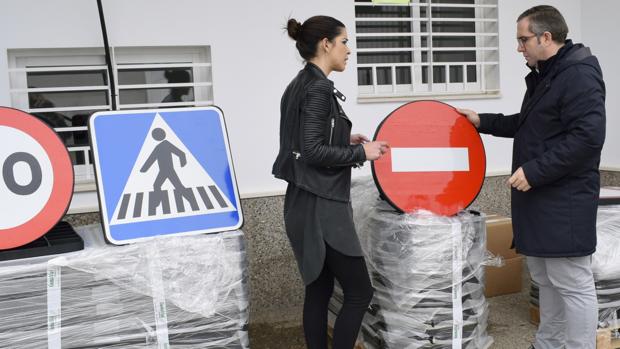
36,178
436,160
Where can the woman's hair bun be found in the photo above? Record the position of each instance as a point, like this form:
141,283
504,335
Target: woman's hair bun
293,27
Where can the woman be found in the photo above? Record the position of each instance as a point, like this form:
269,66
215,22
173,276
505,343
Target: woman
316,154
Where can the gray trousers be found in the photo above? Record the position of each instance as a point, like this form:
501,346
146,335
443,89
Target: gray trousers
568,304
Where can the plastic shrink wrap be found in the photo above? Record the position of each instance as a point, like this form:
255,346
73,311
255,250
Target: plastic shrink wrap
606,263
427,273
174,292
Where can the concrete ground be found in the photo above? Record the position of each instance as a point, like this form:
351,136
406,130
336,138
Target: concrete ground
508,325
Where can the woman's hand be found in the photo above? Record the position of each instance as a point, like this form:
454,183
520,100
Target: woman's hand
374,150
359,139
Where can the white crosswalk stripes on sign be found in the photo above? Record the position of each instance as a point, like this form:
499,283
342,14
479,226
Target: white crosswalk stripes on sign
137,206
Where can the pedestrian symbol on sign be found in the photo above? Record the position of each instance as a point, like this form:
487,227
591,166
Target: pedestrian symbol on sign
163,155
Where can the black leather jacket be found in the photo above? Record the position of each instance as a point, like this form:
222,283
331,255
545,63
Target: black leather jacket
315,151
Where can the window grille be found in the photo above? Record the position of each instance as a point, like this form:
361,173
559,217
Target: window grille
63,87
427,48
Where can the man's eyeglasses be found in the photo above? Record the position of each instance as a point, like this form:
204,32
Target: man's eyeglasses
522,40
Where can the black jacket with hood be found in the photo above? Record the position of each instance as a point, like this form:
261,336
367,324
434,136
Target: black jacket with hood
558,137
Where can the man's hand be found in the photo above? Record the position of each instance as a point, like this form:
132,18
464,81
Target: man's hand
518,180
471,115
359,139
374,150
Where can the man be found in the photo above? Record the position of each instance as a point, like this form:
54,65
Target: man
558,137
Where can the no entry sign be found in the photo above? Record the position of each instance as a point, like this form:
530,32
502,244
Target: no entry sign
436,160
36,178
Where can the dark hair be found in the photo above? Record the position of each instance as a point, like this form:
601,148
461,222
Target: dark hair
545,18
313,30
177,75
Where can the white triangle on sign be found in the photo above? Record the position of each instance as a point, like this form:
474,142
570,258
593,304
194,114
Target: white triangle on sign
140,202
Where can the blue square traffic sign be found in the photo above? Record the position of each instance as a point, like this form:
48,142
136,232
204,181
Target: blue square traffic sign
164,172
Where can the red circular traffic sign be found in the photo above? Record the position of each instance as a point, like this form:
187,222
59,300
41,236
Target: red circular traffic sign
36,178
436,160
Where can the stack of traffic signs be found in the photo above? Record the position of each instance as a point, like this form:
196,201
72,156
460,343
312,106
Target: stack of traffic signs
605,264
427,271
183,292
425,254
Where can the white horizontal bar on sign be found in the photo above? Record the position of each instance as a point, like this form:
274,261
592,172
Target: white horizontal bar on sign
430,159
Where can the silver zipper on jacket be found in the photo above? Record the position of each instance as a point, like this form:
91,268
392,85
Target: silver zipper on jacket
331,131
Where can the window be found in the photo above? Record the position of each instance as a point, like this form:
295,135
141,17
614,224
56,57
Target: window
427,48
63,87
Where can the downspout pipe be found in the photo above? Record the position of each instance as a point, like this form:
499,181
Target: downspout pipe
108,58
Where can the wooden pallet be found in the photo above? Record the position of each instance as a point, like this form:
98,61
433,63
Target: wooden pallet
330,333
604,339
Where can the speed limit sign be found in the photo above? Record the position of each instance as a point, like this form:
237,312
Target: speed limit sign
36,178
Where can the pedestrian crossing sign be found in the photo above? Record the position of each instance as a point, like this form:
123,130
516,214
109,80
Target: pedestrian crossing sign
164,172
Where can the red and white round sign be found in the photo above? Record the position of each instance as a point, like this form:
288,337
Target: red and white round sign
436,160
36,178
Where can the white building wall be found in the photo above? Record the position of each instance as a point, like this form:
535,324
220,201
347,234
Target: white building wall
599,20
253,60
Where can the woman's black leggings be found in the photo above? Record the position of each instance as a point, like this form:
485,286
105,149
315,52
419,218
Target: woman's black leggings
352,275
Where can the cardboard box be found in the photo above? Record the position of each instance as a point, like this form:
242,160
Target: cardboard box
504,280
499,236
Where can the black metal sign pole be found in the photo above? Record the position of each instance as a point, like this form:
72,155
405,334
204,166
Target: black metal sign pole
108,58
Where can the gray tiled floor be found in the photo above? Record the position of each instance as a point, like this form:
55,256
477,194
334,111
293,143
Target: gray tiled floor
509,321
